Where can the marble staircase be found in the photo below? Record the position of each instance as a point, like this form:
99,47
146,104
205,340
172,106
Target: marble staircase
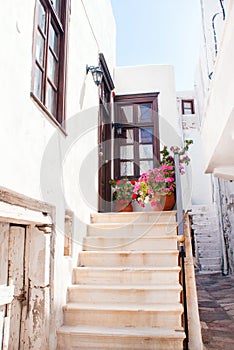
126,292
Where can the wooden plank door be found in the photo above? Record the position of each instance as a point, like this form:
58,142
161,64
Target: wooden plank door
4,232
16,274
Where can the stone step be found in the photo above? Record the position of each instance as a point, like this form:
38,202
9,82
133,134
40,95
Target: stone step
124,294
100,338
131,230
208,246
210,261
207,233
206,253
134,217
126,276
129,258
131,243
152,315
213,268
204,241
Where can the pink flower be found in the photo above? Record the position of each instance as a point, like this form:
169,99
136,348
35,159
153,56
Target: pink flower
169,179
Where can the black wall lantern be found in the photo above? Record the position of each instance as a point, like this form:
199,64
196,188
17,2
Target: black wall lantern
97,74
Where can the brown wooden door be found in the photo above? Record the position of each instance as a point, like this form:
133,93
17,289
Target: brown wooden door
104,139
104,160
13,272
136,145
16,275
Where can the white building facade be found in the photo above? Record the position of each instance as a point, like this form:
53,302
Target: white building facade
214,90
59,147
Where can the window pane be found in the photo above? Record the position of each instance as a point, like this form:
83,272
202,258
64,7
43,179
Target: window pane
126,169
188,105
145,165
129,136
52,68
53,39
40,49
51,99
146,135
126,113
37,89
126,152
146,151
187,111
41,17
144,113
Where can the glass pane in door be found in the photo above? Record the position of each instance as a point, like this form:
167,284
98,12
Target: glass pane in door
126,114
146,135
126,169
146,151
126,152
145,165
144,113
129,138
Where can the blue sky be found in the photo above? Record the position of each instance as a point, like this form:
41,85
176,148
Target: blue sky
159,32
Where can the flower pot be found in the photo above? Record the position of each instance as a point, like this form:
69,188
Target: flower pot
165,203
123,206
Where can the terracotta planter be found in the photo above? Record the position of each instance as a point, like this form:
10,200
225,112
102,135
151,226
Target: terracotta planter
123,206
165,203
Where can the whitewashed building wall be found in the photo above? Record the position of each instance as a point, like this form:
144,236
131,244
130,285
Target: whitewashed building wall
29,140
214,91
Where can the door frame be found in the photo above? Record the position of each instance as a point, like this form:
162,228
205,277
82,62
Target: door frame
104,138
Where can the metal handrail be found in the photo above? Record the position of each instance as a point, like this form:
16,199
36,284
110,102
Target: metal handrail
180,232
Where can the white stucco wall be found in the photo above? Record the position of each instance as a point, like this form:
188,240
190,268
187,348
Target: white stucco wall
153,78
38,160
218,121
201,184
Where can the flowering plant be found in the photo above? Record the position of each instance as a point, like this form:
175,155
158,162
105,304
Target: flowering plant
123,189
167,158
160,181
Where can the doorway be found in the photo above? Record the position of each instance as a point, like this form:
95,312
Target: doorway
136,136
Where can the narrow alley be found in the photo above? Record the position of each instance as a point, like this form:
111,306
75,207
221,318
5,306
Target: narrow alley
216,309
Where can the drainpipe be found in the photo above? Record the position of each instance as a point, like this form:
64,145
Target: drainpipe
223,246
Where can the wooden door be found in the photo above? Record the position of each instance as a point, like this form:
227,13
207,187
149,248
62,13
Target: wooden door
136,145
4,320
16,274
13,272
104,139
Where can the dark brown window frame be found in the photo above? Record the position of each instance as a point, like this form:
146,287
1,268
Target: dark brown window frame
62,27
191,102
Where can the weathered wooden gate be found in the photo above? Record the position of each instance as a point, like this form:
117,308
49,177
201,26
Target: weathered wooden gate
25,265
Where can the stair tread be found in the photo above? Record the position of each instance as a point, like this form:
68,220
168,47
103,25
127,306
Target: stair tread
173,235
124,307
126,268
123,331
126,287
130,252
119,224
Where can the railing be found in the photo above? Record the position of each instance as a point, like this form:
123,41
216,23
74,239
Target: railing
180,232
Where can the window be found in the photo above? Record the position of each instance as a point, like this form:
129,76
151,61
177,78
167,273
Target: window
49,57
187,106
